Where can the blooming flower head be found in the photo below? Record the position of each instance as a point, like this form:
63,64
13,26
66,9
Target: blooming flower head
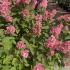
46,15
38,17
25,1
65,47
18,2
53,13
43,3
10,29
25,53
52,42
25,12
20,44
38,66
8,18
57,30
49,14
67,43
5,7
34,2
37,28
65,17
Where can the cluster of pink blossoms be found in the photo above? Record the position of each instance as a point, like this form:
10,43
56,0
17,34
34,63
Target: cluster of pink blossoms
5,10
25,53
25,12
4,7
49,15
43,3
38,25
38,17
8,18
52,43
65,47
65,17
37,28
34,2
21,45
38,66
18,2
10,29
57,30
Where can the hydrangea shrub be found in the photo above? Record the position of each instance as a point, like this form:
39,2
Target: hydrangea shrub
31,36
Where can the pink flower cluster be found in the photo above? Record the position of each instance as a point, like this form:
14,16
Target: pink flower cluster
38,25
57,30
37,28
34,3
25,53
25,12
38,17
46,15
21,45
49,15
65,17
10,29
65,47
9,18
22,1
43,3
52,42
5,9
38,66
25,1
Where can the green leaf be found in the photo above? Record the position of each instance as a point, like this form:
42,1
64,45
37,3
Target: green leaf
57,56
15,62
39,57
1,51
13,68
67,38
0,61
6,67
1,33
7,42
45,27
26,63
8,59
21,66
31,47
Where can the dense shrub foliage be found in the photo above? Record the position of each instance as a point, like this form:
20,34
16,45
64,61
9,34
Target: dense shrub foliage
31,36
